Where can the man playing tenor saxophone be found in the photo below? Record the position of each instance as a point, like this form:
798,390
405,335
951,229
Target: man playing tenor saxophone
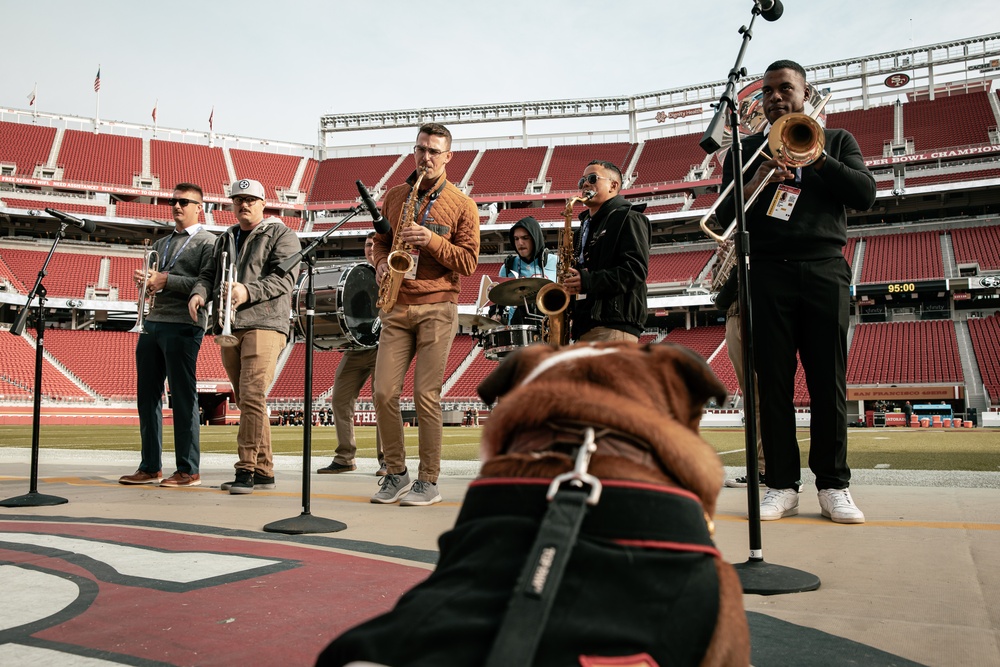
438,226
612,260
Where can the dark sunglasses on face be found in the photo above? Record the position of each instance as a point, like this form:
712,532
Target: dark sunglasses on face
591,179
174,201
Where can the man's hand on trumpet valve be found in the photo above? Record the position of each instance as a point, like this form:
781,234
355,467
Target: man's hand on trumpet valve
240,294
157,281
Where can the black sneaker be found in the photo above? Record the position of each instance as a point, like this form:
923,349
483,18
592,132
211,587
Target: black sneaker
335,468
259,481
741,482
243,484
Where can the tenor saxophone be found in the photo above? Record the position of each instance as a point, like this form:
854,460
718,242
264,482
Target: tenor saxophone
400,260
553,299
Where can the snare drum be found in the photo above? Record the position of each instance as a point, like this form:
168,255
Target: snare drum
346,316
499,342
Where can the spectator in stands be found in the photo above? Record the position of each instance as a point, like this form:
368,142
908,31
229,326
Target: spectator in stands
800,297
531,260
424,320
612,261
169,347
262,301
354,369
728,302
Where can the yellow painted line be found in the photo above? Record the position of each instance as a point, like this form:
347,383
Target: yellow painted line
940,525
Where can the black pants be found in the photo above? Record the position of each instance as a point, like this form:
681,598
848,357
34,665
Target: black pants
169,351
802,306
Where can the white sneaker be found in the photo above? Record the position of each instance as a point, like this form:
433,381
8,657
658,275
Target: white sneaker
778,503
839,507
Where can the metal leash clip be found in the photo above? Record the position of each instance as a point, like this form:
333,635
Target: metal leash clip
579,476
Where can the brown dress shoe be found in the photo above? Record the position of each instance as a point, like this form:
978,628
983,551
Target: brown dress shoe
141,477
182,479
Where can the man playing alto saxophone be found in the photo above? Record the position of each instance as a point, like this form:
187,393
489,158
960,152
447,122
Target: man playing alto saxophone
612,260
169,347
444,237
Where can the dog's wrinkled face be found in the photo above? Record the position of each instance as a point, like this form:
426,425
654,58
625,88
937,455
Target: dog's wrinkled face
655,392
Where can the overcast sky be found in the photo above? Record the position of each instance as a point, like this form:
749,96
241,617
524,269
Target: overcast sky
271,69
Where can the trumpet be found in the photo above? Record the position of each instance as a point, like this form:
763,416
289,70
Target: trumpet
226,338
145,301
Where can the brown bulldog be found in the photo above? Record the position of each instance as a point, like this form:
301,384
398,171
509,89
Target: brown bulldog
642,583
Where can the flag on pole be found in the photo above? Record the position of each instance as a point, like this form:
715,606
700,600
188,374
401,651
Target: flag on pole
155,104
31,97
97,80
210,117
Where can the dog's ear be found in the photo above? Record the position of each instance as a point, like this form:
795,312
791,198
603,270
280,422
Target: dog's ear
500,381
694,372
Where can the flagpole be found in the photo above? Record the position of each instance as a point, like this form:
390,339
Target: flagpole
97,89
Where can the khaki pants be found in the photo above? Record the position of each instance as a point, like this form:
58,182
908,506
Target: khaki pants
425,331
353,371
250,366
602,334
734,343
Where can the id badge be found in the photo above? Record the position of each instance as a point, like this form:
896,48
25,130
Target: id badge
784,202
412,273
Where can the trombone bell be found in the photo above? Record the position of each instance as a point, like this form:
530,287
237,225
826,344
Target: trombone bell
797,139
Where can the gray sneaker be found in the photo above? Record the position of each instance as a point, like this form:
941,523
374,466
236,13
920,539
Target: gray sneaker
421,493
393,486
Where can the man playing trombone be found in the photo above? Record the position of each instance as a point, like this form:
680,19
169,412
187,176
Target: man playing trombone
253,301
168,342
800,292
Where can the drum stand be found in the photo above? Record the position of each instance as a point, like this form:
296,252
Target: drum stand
756,576
33,498
306,522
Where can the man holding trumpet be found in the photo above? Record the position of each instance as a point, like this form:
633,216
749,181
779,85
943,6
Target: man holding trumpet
259,301
169,342
800,293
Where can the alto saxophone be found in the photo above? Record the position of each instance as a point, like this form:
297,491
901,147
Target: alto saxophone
553,299
400,260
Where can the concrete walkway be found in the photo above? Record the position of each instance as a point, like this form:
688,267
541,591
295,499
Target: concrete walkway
918,583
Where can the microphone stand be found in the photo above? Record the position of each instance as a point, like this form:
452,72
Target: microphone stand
306,522
33,498
756,576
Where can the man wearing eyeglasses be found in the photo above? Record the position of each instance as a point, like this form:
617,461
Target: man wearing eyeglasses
612,254
262,301
424,320
168,348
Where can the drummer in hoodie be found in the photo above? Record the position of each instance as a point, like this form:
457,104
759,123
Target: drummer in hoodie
532,260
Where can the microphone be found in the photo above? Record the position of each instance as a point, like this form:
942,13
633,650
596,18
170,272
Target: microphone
87,226
381,224
771,10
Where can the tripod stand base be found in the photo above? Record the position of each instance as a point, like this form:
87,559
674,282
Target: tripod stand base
303,524
33,499
762,578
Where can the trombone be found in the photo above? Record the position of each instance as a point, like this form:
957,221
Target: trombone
796,138
150,262
226,338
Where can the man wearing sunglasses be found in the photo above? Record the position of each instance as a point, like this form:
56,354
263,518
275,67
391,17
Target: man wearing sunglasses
168,348
612,260
262,300
424,320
